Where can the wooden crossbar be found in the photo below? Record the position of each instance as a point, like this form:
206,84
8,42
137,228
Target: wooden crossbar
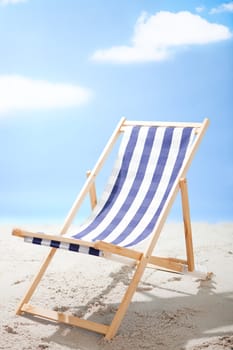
161,123
100,245
22,234
168,263
65,318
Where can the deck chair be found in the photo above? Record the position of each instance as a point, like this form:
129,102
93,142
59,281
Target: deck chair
149,171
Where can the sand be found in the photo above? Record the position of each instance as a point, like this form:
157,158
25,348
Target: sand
168,312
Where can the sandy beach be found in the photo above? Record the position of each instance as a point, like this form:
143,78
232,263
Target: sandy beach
168,312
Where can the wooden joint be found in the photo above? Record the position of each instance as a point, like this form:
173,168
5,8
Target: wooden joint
17,232
111,248
182,181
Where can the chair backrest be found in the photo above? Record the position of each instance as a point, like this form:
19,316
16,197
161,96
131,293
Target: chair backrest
146,169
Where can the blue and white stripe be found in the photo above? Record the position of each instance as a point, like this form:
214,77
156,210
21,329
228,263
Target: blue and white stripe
148,164
63,245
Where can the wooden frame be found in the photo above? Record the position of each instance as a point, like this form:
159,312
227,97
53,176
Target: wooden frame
142,259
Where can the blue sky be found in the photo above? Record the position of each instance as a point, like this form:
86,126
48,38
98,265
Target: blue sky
70,69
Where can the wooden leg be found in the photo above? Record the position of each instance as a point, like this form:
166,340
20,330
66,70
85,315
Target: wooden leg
126,299
35,281
187,224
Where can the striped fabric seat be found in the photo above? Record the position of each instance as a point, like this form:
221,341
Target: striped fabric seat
147,166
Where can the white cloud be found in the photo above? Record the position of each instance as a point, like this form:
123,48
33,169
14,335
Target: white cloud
200,9
9,2
126,54
21,93
155,37
226,7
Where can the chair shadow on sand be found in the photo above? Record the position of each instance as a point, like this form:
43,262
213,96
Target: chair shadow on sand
158,323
